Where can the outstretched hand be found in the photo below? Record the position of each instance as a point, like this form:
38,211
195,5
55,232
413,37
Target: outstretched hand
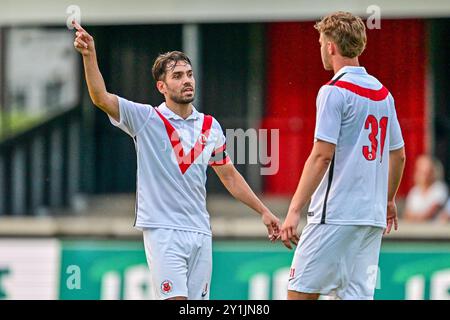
272,224
84,42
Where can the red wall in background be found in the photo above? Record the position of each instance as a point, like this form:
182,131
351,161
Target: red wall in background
395,54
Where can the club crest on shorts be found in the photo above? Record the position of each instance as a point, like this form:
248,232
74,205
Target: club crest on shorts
166,286
202,139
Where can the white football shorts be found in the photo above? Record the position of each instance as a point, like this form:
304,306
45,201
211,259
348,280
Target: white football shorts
180,262
337,260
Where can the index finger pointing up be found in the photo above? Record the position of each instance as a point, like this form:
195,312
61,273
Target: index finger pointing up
77,25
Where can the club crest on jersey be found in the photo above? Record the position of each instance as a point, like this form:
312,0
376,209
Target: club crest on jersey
202,139
166,286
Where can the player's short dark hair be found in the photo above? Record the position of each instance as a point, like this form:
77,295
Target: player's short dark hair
166,60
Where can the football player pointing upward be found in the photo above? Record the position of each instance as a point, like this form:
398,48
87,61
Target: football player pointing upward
175,143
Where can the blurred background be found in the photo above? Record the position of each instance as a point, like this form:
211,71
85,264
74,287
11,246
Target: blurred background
67,177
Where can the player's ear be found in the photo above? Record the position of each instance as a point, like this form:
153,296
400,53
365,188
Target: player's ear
332,48
161,86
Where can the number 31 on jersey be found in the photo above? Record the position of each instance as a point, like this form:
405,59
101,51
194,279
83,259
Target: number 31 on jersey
372,123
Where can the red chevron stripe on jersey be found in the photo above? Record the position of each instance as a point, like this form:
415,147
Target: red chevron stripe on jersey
185,161
375,95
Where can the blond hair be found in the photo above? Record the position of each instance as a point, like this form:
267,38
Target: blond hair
346,30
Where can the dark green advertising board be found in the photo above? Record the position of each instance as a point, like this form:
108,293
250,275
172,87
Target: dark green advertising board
244,270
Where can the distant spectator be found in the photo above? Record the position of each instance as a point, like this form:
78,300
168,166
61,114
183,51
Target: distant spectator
429,194
445,214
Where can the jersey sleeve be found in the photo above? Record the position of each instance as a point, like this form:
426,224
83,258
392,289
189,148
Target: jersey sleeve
329,114
395,133
219,155
133,116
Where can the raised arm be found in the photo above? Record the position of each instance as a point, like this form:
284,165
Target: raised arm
84,44
238,187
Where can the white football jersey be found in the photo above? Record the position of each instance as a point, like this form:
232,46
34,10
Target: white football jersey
172,158
357,114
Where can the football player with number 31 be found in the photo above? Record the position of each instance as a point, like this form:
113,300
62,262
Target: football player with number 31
351,176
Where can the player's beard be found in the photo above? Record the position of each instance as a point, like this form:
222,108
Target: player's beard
180,99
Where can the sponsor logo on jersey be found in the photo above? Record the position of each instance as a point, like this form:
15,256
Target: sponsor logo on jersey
310,214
